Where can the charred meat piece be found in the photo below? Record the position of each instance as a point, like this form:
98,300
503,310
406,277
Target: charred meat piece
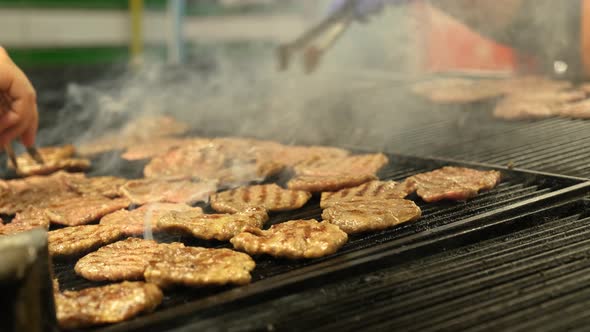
452,183
123,260
269,196
78,240
26,220
328,183
220,227
371,214
155,148
107,186
168,191
292,239
83,209
135,222
105,304
197,267
35,191
54,158
366,191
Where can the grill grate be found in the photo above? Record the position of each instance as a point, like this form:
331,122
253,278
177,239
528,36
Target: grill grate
533,279
517,188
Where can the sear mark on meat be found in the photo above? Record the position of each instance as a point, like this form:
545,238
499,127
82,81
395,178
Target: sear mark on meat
168,191
294,239
371,214
78,240
220,227
366,191
105,304
269,196
452,183
198,267
136,221
123,260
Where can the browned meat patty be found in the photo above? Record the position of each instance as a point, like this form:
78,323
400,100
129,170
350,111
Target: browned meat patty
105,304
221,227
83,209
153,148
26,220
77,240
352,165
54,158
456,90
368,190
107,186
577,110
168,191
371,214
35,191
535,104
293,155
292,239
135,222
328,183
123,260
452,183
212,162
197,267
269,196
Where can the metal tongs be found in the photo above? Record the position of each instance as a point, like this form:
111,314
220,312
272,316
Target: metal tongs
316,41
32,151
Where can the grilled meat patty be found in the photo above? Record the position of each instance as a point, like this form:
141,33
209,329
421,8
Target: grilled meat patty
366,191
83,209
26,220
577,110
123,260
197,267
107,186
290,155
220,227
154,148
371,214
77,240
292,239
328,183
332,174
168,191
36,191
105,304
269,196
452,183
54,158
134,222
213,161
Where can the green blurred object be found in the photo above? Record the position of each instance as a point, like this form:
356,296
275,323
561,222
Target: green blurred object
69,56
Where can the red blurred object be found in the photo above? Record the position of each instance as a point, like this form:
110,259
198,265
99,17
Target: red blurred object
449,45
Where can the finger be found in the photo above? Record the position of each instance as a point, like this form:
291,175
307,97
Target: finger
11,133
8,120
29,136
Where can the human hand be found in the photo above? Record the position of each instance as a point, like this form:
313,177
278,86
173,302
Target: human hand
18,104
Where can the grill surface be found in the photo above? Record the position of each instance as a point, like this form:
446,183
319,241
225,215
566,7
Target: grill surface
534,279
517,189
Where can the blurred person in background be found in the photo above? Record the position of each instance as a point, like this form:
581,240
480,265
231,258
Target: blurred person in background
542,36
18,104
